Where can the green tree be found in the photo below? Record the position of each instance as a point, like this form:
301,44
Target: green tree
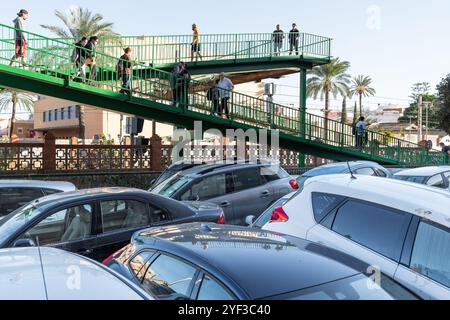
412,113
329,80
420,88
443,104
344,111
80,23
10,99
361,87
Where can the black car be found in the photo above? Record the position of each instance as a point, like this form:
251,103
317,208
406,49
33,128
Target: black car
211,262
97,222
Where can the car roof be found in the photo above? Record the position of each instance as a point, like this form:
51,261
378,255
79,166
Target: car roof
426,202
223,167
56,185
60,276
423,172
261,262
339,167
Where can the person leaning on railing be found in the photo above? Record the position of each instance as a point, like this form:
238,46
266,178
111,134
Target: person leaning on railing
21,39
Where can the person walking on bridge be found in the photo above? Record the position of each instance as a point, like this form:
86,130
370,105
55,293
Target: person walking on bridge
77,56
124,67
277,38
225,90
360,132
89,57
195,45
20,37
294,36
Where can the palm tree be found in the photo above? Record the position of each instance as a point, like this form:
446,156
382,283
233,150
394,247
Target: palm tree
80,23
15,100
361,87
326,80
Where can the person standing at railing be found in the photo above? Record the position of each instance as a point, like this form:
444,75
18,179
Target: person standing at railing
445,151
184,79
294,36
225,89
277,38
89,57
213,95
360,132
124,69
77,56
20,37
195,45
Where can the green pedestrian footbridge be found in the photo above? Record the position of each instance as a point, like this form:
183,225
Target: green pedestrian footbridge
49,71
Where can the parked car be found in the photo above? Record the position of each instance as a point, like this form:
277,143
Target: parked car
212,262
431,176
17,193
173,170
241,189
401,227
367,168
266,216
51,274
97,222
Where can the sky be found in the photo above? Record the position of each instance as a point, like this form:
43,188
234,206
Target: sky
396,43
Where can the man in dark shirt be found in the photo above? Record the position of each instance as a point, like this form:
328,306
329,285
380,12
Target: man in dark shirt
125,71
77,56
277,37
294,36
89,57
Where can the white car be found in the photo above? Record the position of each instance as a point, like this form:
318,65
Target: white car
17,193
399,227
437,177
51,274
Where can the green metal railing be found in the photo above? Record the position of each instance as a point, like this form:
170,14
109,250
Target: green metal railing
169,49
53,58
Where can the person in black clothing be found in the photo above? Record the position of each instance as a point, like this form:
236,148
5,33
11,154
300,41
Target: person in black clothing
277,37
89,57
214,96
294,36
77,56
125,70
184,82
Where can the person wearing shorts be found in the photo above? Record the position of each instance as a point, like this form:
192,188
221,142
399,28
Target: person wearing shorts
195,46
21,43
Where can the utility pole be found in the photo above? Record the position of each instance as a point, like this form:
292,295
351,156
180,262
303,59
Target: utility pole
427,107
420,119
410,128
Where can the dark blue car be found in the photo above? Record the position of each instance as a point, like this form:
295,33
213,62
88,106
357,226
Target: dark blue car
211,262
367,168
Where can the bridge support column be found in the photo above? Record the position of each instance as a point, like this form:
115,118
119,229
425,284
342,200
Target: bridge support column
302,113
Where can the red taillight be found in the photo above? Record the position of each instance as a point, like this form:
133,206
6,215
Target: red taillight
294,184
118,252
279,215
221,219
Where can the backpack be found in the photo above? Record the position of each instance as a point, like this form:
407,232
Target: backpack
210,94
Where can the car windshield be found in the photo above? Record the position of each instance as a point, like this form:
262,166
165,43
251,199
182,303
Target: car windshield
358,287
415,179
168,187
16,220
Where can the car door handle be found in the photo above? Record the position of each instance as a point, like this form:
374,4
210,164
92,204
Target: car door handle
265,194
225,204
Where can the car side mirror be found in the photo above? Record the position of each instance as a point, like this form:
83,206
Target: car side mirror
249,220
24,243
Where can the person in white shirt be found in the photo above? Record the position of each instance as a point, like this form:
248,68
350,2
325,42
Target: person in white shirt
360,132
225,87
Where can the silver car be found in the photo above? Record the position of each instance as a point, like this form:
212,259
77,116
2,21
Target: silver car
437,177
17,193
240,189
51,274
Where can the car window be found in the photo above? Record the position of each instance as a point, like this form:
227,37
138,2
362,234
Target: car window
246,179
169,278
380,173
323,203
139,261
14,198
64,226
378,228
365,171
414,179
51,191
431,253
207,188
212,291
436,181
168,187
272,173
124,214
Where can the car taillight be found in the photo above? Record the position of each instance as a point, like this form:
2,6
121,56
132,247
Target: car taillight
221,219
279,215
294,184
118,252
